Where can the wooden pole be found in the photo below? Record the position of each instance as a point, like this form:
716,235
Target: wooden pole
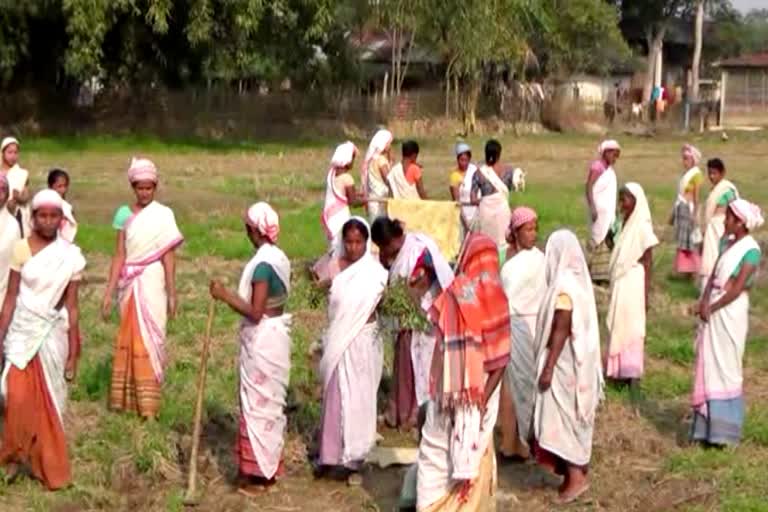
723,90
191,498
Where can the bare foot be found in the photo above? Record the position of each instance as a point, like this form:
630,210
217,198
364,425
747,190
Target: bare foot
575,485
355,480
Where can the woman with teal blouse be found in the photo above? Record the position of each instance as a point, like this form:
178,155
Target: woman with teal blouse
718,398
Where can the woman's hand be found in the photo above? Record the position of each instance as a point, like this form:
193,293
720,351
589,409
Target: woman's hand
705,311
593,213
172,305
106,307
70,369
217,290
545,381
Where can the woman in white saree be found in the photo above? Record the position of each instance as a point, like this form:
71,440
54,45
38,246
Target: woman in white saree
718,397
375,171
144,273
601,190
265,351
415,258
490,192
18,181
58,180
722,193
39,326
353,355
9,235
570,379
631,264
685,214
524,285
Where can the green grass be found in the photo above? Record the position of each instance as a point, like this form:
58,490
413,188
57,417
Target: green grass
672,339
151,144
664,385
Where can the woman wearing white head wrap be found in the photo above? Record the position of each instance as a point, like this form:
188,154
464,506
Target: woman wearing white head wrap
265,349
18,182
685,217
601,189
376,166
40,333
717,399
353,355
340,191
569,379
461,185
143,272
631,265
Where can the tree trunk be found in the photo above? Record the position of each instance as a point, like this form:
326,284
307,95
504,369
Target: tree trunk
448,90
651,68
469,112
699,36
404,70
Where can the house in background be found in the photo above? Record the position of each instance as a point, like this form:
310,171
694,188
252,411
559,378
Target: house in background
745,86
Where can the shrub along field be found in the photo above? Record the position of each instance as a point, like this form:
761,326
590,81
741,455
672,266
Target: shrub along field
641,458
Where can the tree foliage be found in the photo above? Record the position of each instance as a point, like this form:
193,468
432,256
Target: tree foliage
173,41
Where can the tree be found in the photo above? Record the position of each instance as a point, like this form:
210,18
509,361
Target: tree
473,37
654,17
698,43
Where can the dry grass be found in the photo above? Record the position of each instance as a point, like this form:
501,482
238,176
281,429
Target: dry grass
120,463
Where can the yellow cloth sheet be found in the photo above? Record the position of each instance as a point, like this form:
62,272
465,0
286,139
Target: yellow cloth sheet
437,219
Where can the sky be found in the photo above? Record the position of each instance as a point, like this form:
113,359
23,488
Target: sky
746,5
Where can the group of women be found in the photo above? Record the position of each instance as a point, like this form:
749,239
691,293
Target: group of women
513,338
715,248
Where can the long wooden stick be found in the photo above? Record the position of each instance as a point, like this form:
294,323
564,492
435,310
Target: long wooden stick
190,498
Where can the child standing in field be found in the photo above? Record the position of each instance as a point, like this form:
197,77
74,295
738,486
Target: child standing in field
144,273
405,179
58,180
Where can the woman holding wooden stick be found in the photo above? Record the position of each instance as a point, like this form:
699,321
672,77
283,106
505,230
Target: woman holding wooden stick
265,351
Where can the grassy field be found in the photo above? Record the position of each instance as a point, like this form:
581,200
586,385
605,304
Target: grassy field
641,461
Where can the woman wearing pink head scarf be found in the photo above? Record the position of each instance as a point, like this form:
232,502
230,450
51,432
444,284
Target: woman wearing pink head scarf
718,398
685,215
143,273
265,351
524,285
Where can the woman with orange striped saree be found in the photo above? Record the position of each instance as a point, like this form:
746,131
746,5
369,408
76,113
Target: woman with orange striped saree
457,462
39,330
144,273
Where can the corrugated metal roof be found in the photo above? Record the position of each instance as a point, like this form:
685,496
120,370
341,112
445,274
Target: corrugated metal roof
753,60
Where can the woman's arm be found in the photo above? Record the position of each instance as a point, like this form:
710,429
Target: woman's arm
591,179
647,262
732,292
253,311
561,330
118,261
73,311
6,315
354,198
420,189
454,193
169,266
25,195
